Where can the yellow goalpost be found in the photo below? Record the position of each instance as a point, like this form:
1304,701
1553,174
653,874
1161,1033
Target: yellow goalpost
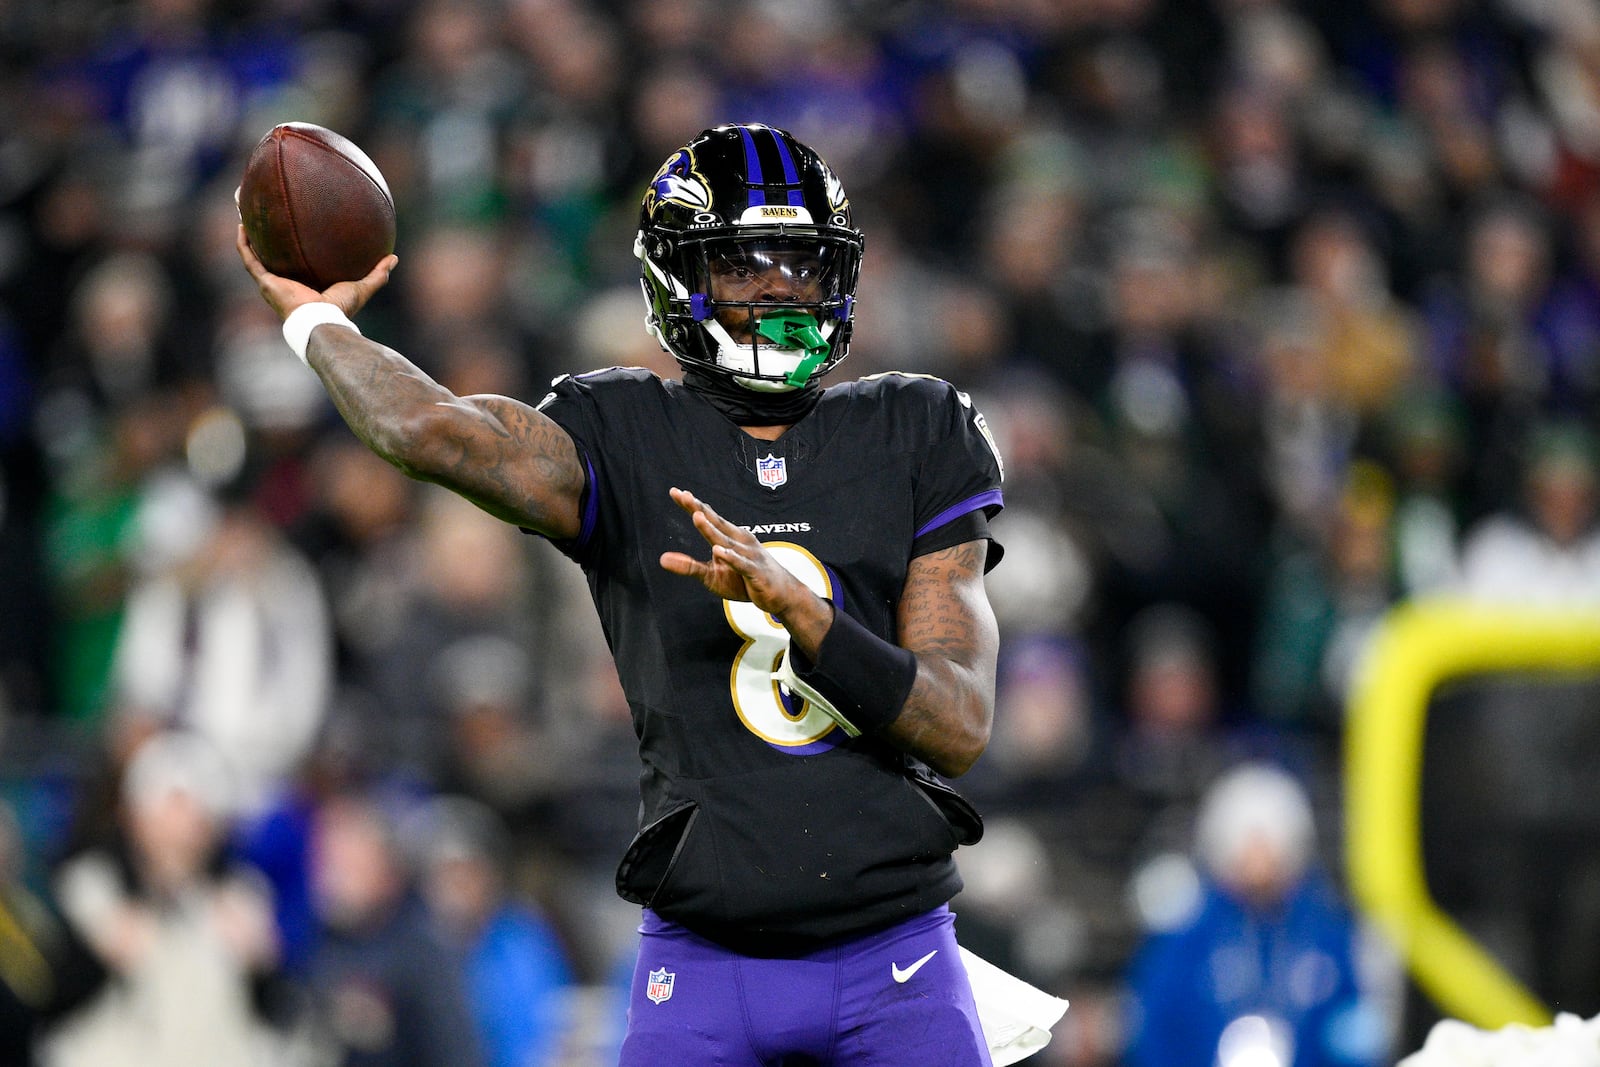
1420,646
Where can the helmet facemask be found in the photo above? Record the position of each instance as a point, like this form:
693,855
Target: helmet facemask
766,305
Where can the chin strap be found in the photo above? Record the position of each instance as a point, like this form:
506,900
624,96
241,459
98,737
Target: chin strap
796,330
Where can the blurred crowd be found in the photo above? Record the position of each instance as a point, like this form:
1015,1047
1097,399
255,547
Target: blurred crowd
1282,312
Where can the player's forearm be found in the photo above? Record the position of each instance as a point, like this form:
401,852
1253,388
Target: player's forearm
946,720
385,399
947,623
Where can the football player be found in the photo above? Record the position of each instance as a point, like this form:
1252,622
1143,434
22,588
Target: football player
790,578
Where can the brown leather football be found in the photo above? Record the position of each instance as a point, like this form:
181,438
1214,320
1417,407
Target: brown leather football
314,206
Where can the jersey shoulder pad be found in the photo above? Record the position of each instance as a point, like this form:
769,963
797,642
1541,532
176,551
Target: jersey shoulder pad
917,396
946,410
631,380
904,389
904,382
635,375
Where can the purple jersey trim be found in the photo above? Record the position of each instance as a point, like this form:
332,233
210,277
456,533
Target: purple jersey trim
955,511
591,505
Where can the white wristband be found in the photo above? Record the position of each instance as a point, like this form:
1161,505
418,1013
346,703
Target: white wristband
307,317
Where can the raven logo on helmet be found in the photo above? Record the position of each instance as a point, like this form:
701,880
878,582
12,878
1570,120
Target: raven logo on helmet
838,203
678,182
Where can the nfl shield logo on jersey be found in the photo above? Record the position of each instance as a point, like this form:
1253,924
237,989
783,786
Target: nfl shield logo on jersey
659,987
771,471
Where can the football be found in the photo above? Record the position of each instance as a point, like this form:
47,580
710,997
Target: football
314,206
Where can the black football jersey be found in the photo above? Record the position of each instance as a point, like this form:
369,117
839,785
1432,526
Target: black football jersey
761,821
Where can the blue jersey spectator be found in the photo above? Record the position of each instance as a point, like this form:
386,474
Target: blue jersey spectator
517,973
1264,968
385,990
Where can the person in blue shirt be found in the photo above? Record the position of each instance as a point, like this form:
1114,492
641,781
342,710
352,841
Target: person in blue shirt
1262,968
517,972
383,988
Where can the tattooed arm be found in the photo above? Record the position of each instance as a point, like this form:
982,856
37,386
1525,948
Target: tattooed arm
497,452
946,620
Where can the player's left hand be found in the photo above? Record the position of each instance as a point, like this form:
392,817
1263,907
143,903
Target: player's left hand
740,568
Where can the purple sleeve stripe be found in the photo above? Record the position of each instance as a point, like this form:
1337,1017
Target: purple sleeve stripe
591,505
955,511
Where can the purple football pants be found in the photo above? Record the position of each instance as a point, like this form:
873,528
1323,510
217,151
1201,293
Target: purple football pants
896,998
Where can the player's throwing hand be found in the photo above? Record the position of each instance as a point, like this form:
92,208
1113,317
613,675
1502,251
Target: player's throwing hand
285,294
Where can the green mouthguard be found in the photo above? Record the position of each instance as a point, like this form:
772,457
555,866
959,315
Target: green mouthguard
796,329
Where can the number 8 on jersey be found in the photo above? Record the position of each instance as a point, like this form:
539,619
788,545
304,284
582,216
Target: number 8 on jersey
768,710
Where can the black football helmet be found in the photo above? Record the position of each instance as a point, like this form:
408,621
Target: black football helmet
749,258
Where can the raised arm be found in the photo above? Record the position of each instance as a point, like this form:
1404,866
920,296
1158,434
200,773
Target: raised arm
945,623
497,452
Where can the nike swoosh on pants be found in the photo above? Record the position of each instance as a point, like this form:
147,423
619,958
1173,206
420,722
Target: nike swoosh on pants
900,975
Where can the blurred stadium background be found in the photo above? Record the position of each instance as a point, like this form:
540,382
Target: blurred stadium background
1286,316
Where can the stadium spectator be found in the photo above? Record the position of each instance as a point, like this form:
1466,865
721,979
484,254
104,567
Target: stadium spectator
1256,959
1422,443
1322,603
91,548
1546,551
1489,340
1170,739
185,935
517,974
1046,728
383,990
226,633
1370,341
459,578
1308,435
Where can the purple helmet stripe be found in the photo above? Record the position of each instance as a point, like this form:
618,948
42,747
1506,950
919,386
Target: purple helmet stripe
752,169
790,174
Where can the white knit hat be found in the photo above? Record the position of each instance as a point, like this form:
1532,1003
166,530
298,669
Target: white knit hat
182,762
1255,800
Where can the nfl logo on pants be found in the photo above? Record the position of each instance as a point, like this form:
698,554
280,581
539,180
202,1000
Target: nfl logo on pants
659,987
